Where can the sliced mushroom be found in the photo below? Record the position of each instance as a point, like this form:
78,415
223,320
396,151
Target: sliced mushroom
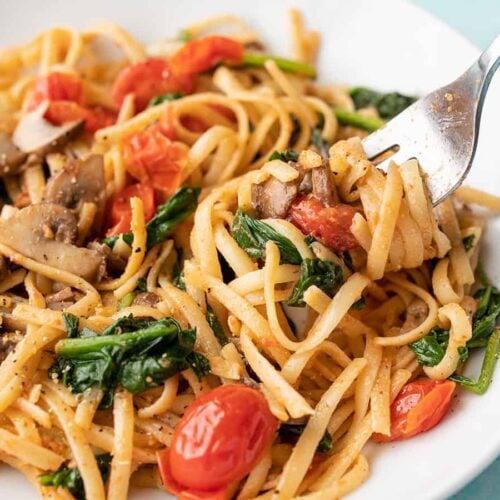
8,342
273,198
416,313
79,182
113,264
11,157
323,187
35,135
44,233
146,299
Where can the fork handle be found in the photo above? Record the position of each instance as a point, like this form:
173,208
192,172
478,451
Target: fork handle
484,69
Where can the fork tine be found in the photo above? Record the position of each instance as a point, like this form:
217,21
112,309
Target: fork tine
400,157
381,140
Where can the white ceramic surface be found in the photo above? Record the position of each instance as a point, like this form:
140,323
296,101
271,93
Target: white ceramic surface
387,45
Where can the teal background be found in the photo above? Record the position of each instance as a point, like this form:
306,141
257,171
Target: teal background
479,21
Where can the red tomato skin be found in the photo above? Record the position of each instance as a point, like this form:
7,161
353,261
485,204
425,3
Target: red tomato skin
201,55
59,112
427,400
178,490
220,438
330,225
147,79
56,86
153,158
121,212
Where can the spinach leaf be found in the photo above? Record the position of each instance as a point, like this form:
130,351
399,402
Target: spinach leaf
359,304
71,479
322,145
180,205
288,432
388,105
286,156
178,272
431,348
322,273
253,234
170,96
126,301
199,363
71,324
142,284
216,327
368,123
134,352
257,59
468,242
480,386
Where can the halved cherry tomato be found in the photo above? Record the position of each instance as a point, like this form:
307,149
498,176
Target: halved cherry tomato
204,54
419,406
121,213
56,86
220,438
147,79
153,158
59,112
330,225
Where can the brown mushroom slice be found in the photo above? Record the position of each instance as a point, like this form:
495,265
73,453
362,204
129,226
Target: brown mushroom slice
79,182
273,198
35,135
323,186
11,157
44,233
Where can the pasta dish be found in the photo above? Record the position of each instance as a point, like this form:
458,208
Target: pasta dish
206,286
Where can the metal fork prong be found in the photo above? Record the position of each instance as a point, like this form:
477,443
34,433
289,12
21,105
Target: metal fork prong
380,141
400,157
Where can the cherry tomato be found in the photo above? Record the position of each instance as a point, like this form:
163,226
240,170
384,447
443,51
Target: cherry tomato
121,213
218,441
330,225
59,112
56,86
147,79
153,158
201,55
419,406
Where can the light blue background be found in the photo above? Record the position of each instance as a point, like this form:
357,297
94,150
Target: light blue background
479,21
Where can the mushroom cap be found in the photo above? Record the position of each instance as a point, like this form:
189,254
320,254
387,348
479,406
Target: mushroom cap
45,233
37,136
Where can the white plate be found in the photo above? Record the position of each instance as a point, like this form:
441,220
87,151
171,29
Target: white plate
387,45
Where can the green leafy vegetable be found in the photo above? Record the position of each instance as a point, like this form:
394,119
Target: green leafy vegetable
431,348
322,145
258,60
468,242
216,327
253,234
178,272
480,386
359,304
142,285
134,352
367,123
199,363
286,156
322,273
180,205
160,99
290,431
71,479
126,301
71,324
388,105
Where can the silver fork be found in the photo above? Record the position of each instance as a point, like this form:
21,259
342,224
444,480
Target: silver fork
441,129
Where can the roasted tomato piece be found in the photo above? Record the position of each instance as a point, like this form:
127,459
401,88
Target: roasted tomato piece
419,406
220,438
147,79
330,225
